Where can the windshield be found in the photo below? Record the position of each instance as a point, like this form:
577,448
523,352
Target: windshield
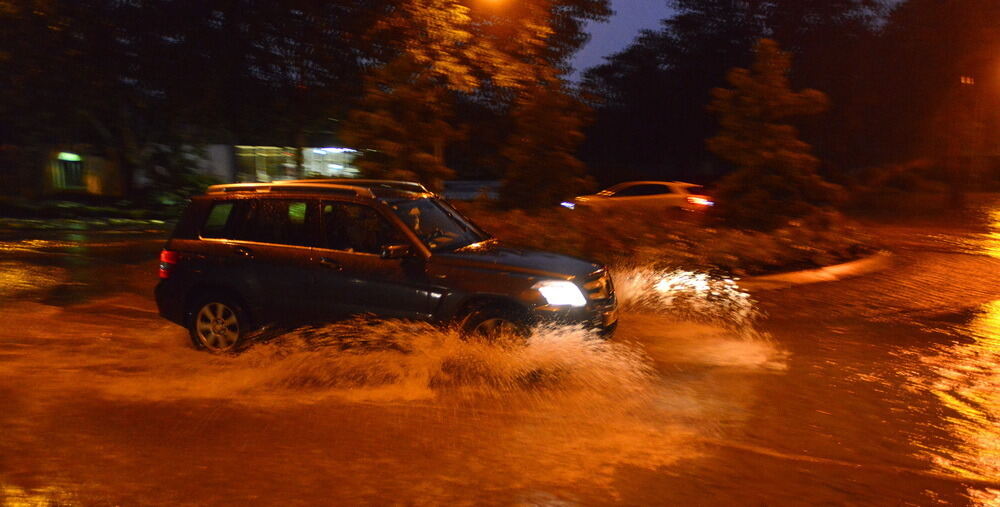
437,224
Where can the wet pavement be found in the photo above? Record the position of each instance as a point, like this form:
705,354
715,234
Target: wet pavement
882,389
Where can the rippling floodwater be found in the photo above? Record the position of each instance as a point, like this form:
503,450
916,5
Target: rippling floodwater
881,390
965,377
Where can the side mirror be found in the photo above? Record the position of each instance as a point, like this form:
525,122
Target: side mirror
395,251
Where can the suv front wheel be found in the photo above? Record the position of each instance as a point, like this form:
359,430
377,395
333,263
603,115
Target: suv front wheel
496,323
218,323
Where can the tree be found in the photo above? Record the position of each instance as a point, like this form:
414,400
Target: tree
402,125
434,49
122,75
654,119
924,105
543,169
71,77
775,173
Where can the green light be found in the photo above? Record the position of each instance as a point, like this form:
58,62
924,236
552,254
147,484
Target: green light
69,157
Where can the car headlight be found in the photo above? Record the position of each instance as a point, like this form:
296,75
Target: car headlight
561,293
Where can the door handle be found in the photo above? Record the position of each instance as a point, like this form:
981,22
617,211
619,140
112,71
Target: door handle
243,251
330,263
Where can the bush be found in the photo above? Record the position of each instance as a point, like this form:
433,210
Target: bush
636,237
911,188
175,177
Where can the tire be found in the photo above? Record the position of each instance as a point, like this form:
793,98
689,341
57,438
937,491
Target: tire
496,324
218,323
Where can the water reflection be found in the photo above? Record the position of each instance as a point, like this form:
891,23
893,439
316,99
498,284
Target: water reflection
13,496
991,241
966,380
18,278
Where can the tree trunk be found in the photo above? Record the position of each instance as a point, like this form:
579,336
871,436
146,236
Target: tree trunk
300,141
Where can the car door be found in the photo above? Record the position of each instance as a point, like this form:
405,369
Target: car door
220,261
273,247
358,279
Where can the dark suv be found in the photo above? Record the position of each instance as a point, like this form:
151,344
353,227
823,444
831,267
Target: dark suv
249,254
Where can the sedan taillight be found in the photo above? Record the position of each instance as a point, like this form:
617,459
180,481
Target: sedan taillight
168,259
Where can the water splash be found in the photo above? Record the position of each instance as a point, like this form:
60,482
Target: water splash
366,360
566,407
685,294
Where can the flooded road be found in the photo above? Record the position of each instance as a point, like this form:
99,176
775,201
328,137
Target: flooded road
881,389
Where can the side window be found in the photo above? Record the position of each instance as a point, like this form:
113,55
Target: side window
356,228
218,217
641,190
279,222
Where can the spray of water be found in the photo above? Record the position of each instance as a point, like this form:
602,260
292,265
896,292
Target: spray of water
371,361
677,315
667,315
563,407
685,294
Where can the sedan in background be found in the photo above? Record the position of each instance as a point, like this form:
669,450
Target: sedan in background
648,195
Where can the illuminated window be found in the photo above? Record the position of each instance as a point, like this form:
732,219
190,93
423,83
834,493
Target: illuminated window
69,171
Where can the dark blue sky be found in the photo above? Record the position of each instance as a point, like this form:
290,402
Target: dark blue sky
630,17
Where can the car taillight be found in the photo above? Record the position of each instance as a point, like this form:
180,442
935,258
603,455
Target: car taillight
168,259
700,201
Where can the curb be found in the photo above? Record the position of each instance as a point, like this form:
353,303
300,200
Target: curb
865,265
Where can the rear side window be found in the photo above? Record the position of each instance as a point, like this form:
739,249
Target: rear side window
297,213
218,217
280,222
641,190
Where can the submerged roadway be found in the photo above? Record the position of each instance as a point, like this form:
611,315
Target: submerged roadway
879,389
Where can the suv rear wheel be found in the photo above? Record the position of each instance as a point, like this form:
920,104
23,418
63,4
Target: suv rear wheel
218,323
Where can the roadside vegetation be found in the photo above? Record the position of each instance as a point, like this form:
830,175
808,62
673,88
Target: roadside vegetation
774,211
685,240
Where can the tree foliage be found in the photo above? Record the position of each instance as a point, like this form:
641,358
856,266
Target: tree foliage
653,119
543,169
775,173
402,124
121,75
434,49
926,47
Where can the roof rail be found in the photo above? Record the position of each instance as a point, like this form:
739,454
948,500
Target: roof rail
295,186
411,186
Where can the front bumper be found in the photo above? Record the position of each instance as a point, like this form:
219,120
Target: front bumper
601,317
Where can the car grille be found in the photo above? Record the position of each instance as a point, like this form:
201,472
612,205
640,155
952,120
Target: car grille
598,286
